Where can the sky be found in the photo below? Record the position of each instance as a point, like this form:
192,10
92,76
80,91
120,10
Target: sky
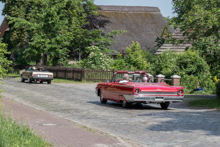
165,6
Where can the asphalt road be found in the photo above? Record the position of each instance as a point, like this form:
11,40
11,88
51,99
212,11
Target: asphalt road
148,125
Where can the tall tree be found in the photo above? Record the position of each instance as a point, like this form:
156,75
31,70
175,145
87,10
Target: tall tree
199,20
4,62
50,29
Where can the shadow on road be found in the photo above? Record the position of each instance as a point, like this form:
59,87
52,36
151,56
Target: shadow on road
191,120
115,105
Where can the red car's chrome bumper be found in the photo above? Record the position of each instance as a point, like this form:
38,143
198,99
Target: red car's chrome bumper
153,99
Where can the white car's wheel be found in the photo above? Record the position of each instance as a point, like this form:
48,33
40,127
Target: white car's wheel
29,80
49,82
22,79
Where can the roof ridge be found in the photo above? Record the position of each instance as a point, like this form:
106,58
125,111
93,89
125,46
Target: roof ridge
128,8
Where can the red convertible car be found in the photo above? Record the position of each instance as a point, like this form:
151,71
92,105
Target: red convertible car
135,87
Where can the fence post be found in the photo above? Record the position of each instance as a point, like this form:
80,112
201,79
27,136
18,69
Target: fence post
159,78
83,75
175,80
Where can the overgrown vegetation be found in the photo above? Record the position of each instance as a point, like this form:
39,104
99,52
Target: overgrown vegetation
192,68
205,103
218,90
12,134
47,32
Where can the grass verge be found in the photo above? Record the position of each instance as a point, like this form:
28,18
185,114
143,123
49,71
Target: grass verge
69,81
12,75
14,135
205,103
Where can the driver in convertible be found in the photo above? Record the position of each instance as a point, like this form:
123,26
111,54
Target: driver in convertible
125,78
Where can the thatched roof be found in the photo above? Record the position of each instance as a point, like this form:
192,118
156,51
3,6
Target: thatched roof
143,24
176,48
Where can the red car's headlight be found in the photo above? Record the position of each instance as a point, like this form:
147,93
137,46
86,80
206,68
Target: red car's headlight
180,92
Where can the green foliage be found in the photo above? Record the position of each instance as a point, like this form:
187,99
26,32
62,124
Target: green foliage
119,63
192,68
46,31
13,135
134,56
165,64
199,20
96,59
218,90
4,62
210,52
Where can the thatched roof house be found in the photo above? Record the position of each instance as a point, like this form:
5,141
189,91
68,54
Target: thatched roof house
176,48
143,24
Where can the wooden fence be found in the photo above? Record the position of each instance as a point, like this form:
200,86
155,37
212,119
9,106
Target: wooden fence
80,74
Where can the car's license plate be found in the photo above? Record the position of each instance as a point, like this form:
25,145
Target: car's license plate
158,98
42,75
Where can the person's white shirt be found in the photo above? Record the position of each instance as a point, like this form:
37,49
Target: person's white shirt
123,81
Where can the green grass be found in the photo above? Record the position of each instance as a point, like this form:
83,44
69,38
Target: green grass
205,103
14,135
69,81
55,80
12,75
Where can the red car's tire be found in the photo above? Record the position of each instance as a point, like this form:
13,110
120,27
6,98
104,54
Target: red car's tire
164,105
125,104
102,100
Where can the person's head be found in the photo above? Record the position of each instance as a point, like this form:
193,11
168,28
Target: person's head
126,77
144,79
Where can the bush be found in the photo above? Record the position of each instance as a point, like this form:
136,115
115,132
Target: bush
192,68
14,135
166,64
134,56
96,59
218,90
119,64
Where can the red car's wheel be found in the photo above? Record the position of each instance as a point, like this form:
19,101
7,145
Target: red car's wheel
164,105
102,100
125,104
